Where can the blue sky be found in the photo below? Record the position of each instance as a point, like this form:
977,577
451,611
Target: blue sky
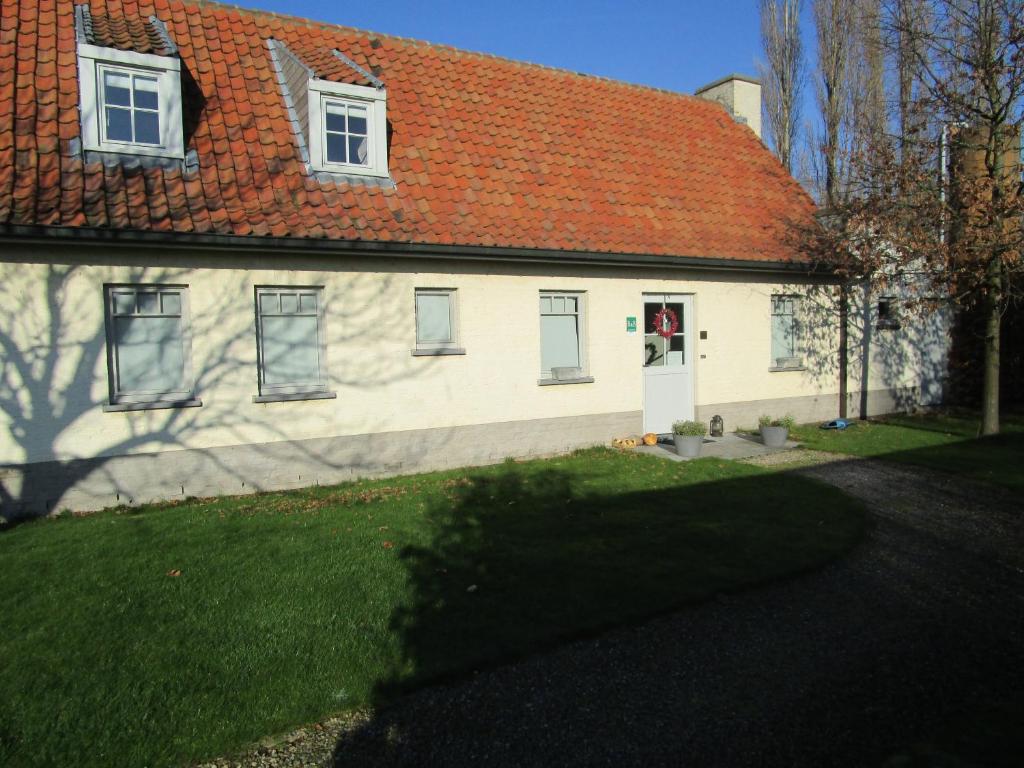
675,45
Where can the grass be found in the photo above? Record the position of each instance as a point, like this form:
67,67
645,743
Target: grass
946,442
162,635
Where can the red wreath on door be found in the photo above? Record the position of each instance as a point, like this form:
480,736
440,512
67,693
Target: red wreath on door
659,323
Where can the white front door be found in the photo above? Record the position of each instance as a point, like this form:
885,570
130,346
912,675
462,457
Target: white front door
668,361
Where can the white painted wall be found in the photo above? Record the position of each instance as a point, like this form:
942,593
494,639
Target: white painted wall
54,377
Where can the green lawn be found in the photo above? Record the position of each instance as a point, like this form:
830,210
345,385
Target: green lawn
291,606
945,442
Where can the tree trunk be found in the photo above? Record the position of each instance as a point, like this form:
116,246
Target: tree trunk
993,324
844,364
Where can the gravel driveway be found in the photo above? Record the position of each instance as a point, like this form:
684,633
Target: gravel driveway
913,644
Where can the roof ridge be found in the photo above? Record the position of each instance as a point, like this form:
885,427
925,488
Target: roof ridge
327,25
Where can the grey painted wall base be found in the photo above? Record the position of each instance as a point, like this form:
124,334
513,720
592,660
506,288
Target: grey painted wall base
813,407
91,484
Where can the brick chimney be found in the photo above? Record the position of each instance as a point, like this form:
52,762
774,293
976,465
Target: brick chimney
740,95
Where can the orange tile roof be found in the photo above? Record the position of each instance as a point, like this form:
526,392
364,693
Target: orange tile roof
484,151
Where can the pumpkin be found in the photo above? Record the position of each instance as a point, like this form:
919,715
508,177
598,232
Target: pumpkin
650,439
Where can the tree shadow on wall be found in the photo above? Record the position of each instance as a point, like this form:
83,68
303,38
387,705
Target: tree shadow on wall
904,362
54,384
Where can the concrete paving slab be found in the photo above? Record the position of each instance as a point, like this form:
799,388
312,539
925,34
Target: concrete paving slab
731,446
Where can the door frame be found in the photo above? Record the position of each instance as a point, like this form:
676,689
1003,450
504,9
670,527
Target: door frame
690,335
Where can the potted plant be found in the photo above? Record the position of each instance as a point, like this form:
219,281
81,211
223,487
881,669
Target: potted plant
689,437
775,432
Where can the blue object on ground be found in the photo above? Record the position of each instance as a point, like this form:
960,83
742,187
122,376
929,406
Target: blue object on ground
836,424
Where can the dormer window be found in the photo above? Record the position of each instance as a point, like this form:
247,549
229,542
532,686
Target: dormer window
346,138
131,102
348,128
130,107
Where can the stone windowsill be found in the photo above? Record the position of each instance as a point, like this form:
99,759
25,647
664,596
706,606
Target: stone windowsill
291,396
438,352
155,405
781,368
577,380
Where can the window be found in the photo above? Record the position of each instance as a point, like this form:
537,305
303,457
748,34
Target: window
345,130
437,322
348,128
888,314
130,106
290,340
561,334
131,102
148,344
786,332
658,350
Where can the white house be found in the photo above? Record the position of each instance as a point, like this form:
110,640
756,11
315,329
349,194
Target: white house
244,251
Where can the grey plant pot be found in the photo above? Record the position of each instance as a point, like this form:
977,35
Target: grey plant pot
688,445
774,437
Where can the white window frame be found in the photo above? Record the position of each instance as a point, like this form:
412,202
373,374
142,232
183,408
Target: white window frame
375,101
121,397
93,61
450,347
796,360
274,391
546,377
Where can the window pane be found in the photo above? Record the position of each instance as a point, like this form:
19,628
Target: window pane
559,342
150,355
118,124
654,350
289,303
147,127
358,150
148,303
545,305
291,350
146,92
307,302
651,308
782,337
171,303
357,120
336,148
433,318
558,304
116,89
334,118
124,303
675,351
268,302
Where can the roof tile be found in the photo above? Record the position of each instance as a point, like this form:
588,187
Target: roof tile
484,151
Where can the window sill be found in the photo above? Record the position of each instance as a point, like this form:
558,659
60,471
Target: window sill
153,406
438,352
783,368
578,380
290,396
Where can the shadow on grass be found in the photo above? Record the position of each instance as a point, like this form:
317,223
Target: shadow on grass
524,561
995,460
946,443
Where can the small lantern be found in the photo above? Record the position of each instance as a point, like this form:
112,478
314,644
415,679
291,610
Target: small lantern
717,426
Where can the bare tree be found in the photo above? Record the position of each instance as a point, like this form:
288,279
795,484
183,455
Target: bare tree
866,96
833,23
960,81
782,74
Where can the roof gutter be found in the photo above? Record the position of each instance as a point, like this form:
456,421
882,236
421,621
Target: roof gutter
309,246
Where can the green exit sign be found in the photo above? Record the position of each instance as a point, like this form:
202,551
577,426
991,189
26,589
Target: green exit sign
631,324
